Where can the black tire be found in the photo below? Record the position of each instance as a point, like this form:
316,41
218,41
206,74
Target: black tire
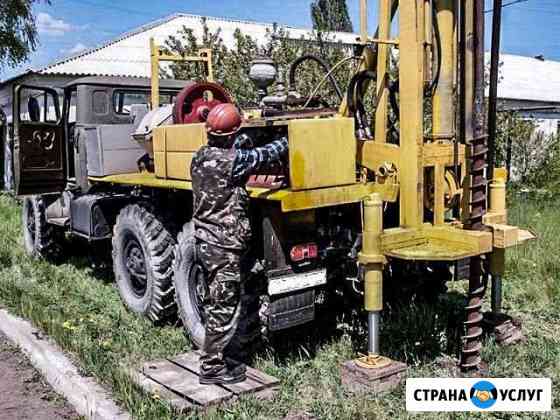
190,286
40,239
143,254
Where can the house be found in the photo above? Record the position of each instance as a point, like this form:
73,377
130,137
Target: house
531,86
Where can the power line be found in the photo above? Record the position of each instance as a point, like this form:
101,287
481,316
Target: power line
511,3
106,6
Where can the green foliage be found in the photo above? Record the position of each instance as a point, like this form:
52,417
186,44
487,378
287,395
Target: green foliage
18,32
534,156
231,66
331,15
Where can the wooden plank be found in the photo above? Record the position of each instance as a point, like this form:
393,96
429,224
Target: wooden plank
185,383
154,388
256,380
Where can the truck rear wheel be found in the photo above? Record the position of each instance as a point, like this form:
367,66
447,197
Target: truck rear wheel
40,239
143,253
190,292
190,286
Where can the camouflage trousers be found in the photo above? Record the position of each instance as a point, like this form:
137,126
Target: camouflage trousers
222,303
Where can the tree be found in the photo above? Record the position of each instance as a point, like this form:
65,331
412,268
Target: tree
18,32
331,15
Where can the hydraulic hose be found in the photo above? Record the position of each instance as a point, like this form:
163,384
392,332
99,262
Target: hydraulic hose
354,99
322,63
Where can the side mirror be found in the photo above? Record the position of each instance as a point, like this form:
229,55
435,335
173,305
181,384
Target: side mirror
34,109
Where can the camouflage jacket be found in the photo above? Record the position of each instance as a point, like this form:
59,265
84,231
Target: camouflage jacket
221,202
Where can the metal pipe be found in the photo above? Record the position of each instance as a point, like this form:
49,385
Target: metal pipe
154,65
373,332
443,113
363,21
493,92
496,297
382,84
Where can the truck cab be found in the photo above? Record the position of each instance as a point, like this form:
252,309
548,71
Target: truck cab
60,140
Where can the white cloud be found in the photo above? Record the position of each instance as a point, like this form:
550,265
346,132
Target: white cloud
77,48
48,25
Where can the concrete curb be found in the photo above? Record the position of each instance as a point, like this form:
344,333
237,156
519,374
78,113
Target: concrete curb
87,397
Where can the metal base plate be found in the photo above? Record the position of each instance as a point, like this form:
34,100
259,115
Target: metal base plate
505,329
358,379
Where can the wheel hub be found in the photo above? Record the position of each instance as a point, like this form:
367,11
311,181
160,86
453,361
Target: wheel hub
30,225
198,289
135,263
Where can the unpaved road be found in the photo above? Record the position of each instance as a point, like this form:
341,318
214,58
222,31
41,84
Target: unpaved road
23,392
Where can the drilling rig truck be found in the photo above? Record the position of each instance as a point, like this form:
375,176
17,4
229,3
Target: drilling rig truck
367,193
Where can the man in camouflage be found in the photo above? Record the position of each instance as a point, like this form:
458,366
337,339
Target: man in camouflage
219,173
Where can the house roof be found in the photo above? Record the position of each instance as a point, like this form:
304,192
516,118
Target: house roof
142,82
528,79
129,54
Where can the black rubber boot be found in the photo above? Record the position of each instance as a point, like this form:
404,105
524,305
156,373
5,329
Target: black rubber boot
223,375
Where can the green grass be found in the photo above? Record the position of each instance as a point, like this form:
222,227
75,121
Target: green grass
82,312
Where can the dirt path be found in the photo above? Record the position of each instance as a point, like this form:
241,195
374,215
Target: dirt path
23,393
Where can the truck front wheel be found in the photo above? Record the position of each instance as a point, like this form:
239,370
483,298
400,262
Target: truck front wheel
41,240
143,253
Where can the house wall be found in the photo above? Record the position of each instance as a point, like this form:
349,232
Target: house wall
547,121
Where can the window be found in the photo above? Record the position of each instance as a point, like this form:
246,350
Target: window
100,102
72,106
38,105
123,99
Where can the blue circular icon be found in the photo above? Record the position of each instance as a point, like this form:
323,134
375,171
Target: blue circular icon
483,394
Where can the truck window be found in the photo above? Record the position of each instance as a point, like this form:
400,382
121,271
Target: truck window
72,102
38,106
100,102
123,99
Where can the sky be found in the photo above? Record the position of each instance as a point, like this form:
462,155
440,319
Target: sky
531,27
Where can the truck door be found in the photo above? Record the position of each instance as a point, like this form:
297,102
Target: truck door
39,146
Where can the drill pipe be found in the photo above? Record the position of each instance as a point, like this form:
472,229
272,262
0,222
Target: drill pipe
470,354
